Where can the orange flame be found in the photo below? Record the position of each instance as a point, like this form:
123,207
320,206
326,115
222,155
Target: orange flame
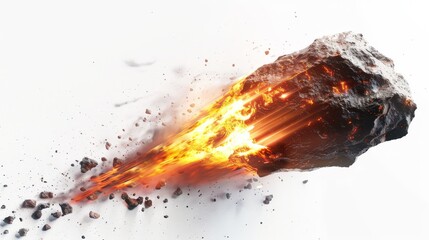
218,143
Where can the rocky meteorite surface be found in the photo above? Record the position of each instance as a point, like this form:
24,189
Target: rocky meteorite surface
357,101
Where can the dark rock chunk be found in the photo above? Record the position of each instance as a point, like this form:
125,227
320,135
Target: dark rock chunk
6,232
37,214
29,203
131,202
46,227
22,232
148,203
345,97
111,196
248,186
56,214
165,200
45,195
66,208
268,199
9,220
117,162
94,215
42,206
177,192
165,216
305,182
87,164
3,206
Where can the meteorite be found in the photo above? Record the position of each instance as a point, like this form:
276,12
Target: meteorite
342,97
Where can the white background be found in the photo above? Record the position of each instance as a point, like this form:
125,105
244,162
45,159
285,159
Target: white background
62,70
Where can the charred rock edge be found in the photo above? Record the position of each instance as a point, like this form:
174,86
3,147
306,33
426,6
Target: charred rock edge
378,102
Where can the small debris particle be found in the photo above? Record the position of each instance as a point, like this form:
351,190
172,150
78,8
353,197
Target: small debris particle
23,231
9,220
177,192
159,185
305,181
165,216
248,186
228,195
117,162
94,215
6,232
148,203
56,214
37,214
92,196
43,206
111,196
268,199
66,208
148,111
131,203
3,206
82,189
103,159
107,145
46,227
267,52
29,203
45,195
87,164
165,200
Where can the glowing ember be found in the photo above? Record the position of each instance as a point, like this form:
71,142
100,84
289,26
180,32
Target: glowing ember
322,106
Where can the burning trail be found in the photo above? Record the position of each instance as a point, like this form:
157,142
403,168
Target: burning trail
322,106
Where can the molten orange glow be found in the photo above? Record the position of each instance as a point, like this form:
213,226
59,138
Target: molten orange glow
218,143
328,71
